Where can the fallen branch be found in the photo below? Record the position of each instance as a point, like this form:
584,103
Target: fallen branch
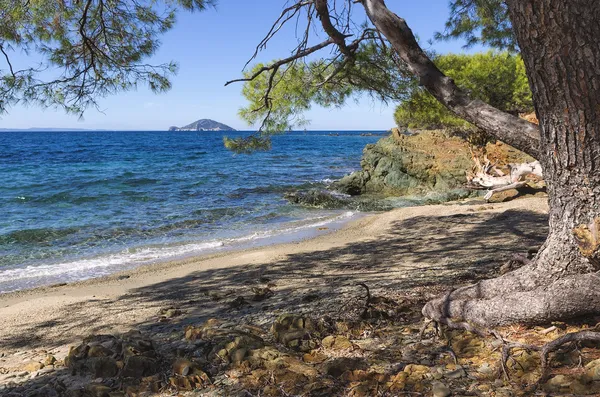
487,176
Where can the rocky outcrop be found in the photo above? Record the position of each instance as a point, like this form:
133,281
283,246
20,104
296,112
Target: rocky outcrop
430,163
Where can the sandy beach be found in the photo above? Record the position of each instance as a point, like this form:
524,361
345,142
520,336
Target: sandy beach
415,253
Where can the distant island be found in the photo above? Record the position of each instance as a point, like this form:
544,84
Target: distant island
203,125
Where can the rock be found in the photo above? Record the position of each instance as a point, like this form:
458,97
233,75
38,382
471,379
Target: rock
102,367
261,294
292,331
457,373
338,366
337,342
99,351
558,383
171,312
49,360
182,367
139,366
427,162
318,199
97,390
32,366
440,390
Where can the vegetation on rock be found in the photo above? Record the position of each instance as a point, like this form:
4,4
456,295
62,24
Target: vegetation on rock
421,164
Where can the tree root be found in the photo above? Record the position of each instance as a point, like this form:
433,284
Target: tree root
590,335
565,298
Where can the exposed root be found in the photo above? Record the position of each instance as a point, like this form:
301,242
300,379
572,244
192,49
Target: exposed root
544,350
568,297
367,300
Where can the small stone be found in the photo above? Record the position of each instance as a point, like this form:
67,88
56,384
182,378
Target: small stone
139,366
486,369
182,367
440,390
558,383
238,355
457,373
33,366
170,313
96,390
49,360
593,373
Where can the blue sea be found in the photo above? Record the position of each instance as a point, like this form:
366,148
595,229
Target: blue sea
77,205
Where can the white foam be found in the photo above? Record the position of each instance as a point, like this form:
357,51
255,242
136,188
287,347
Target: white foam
30,276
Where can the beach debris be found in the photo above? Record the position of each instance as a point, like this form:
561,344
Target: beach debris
168,313
261,294
238,303
486,175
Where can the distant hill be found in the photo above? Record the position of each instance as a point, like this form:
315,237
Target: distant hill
203,125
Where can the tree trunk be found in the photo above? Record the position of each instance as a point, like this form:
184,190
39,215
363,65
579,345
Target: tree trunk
559,43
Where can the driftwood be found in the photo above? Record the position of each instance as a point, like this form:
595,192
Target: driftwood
487,176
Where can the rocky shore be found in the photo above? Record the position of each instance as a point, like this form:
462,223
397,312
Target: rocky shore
427,167
429,163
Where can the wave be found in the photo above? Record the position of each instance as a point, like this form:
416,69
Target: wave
16,278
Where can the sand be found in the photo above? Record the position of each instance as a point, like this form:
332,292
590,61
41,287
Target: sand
419,251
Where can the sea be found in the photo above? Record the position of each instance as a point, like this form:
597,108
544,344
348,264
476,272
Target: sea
77,205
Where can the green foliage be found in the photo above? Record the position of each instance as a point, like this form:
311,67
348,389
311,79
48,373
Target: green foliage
496,78
295,88
87,49
480,22
247,145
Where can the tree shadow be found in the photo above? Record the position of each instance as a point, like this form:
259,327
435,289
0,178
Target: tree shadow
416,259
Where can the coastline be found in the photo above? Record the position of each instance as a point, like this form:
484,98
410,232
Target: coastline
119,263
24,309
408,255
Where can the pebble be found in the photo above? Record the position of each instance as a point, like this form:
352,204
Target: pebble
440,390
457,373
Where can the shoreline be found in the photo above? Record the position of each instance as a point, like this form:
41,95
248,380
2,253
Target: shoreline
191,260
180,252
406,256
27,308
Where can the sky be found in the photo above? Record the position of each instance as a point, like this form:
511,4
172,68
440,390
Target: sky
211,47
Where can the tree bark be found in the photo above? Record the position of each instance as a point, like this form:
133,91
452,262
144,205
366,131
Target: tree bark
510,129
559,43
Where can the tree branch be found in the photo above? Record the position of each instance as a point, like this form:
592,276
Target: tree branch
514,131
281,62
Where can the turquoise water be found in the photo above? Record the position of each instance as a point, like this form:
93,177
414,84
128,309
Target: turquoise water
77,205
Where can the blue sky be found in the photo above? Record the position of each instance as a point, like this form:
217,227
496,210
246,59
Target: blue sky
211,47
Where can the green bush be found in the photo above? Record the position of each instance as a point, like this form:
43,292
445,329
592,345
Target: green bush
497,78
